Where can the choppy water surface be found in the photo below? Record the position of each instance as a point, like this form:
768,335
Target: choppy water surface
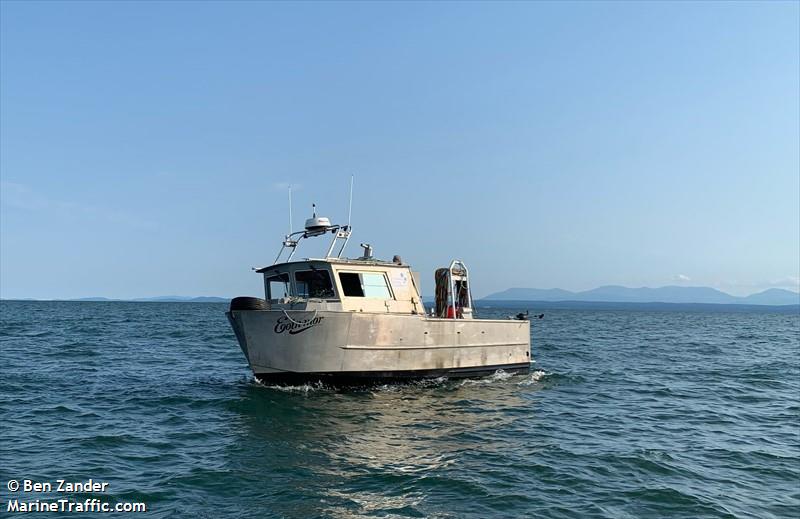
627,414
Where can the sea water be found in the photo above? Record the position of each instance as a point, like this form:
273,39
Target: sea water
625,414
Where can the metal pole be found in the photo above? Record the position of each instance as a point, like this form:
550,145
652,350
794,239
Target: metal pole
452,289
350,205
469,289
333,244
290,209
347,238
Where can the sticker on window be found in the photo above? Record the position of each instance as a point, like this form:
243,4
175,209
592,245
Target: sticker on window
400,279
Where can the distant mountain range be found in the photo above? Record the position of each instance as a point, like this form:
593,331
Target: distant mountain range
668,294
162,299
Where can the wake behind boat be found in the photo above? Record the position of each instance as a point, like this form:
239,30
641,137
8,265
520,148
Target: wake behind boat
339,320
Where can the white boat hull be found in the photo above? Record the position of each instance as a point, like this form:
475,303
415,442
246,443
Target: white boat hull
288,346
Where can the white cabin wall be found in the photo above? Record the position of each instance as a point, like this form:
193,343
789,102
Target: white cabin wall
406,298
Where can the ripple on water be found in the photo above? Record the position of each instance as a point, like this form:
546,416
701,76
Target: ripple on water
626,414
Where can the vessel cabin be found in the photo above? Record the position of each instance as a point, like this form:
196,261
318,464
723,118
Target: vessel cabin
352,285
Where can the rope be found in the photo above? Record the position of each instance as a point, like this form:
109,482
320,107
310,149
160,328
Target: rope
299,322
442,289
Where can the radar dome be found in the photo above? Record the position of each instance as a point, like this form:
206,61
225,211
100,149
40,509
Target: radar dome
317,223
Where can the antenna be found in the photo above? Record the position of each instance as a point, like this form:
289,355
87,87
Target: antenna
290,209
350,205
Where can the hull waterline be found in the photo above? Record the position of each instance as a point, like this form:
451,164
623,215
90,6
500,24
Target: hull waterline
358,378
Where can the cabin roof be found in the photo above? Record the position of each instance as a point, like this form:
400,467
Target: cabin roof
336,261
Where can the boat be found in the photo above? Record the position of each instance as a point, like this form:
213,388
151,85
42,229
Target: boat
362,320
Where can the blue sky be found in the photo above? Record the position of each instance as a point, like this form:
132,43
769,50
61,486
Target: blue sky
144,145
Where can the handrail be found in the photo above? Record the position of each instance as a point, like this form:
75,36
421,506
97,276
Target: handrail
298,322
453,264
339,232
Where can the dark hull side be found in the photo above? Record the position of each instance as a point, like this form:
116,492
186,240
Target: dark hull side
362,378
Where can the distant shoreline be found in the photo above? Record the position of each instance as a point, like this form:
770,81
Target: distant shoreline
201,299
612,305
665,294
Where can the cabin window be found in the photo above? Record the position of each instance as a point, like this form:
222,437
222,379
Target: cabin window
278,286
365,284
313,283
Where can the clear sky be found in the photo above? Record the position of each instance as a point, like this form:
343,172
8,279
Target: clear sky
144,146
